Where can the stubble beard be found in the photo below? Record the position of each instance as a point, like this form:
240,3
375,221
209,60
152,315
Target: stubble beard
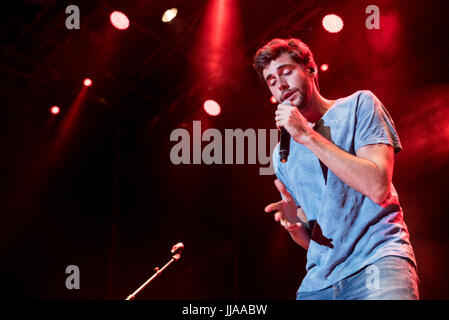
303,100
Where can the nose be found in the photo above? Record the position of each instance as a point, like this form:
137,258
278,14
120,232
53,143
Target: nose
283,85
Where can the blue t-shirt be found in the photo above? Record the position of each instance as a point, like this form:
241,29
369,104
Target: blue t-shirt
348,230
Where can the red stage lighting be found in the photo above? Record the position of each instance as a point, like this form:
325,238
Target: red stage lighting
87,82
54,110
324,67
273,99
212,107
119,20
332,23
218,45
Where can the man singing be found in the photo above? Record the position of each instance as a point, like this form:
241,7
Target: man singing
338,200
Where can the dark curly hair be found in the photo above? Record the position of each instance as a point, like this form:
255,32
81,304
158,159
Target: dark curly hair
297,50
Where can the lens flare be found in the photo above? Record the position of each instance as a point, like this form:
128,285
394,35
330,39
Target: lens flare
324,67
211,107
332,23
55,110
169,15
119,20
87,82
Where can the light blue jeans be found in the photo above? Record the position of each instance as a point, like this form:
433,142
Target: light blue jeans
389,278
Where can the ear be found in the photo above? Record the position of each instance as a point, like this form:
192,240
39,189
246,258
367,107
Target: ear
312,72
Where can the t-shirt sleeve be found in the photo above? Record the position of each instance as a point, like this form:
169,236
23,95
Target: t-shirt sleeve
278,169
374,124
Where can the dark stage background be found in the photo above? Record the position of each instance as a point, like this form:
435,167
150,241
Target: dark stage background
94,186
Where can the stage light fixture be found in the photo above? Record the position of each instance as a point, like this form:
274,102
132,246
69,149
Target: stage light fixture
55,110
119,20
212,107
169,15
324,67
87,82
332,23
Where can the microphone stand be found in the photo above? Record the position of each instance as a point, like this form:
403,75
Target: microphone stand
175,257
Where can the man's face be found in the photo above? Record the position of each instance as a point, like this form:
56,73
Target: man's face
288,80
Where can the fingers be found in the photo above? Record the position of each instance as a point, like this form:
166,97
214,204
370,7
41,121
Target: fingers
284,223
284,106
282,189
273,206
280,111
279,206
279,124
283,116
283,110
290,226
278,216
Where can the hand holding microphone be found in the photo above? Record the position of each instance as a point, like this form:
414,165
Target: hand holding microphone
291,123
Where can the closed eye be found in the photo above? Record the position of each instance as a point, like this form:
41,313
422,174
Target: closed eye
286,72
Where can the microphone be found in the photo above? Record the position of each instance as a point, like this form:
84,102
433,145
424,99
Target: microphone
284,148
177,247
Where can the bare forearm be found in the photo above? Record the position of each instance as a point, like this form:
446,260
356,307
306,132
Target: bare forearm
360,174
301,237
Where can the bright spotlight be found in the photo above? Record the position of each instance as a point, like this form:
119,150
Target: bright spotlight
169,15
212,107
54,110
273,99
87,82
119,20
324,67
332,23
